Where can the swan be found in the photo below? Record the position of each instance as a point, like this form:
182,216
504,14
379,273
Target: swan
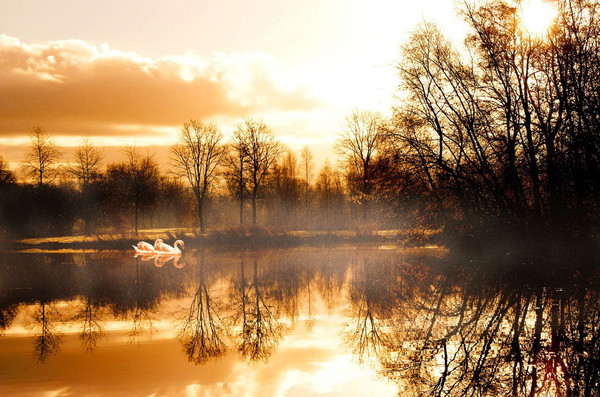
168,250
143,248
159,245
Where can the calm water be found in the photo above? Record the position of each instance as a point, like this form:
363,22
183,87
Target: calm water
353,321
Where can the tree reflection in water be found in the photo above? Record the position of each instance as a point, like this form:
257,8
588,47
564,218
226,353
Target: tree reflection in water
47,342
7,315
433,325
260,330
460,331
374,298
91,326
137,302
203,329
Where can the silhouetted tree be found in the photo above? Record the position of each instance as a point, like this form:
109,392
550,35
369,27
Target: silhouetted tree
236,173
133,184
88,161
261,151
7,177
87,169
41,156
508,135
285,190
197,157
306,158
358,145
174,203
329,192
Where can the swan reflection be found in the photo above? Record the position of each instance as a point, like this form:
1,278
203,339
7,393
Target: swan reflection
161,259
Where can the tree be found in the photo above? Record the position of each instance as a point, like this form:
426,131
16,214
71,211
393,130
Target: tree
42,155
260,152
329,191
197,157
307,166
87,169
285,189
506,128
88,161
358,145
7,177
236,174
133,183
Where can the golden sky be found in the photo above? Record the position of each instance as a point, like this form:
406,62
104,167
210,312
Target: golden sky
131,72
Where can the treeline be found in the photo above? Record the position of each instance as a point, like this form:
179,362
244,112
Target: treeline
503,135
251,179
498,140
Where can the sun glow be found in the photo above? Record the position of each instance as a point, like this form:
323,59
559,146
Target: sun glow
537,16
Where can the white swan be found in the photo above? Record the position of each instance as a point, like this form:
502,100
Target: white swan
158,245
143,248
166,249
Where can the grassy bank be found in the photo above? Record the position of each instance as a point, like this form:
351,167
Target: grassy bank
240,237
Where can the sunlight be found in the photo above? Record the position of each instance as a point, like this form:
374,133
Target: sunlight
537,16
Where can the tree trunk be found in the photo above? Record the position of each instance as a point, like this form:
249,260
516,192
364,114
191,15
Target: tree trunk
136,216
254,208
241,192
201,225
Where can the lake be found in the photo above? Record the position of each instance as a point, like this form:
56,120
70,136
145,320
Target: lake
331,321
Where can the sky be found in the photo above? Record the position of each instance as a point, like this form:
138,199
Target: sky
131,72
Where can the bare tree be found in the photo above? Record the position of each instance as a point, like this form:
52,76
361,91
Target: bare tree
505,128
285,189
261,150
260,329
87,169
358,145
236,173
47,342
88,160
7,177
329,193
42,155
203,331
133,184
197,157
307,166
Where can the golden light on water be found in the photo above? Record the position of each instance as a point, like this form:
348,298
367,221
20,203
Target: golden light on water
537,16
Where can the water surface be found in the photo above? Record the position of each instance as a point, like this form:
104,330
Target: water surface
343,321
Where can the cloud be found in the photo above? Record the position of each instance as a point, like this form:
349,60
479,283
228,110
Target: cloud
73,87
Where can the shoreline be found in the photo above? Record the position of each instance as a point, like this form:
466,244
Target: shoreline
240,238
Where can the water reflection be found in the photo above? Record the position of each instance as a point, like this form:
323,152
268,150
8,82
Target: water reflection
432,325
47,341
455,330
203,329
